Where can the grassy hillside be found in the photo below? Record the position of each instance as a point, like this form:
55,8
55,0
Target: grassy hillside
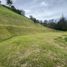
25,44
12,24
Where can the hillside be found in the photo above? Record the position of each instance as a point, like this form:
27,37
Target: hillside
26,44
12,24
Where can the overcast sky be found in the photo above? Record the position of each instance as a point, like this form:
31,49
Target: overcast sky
42,9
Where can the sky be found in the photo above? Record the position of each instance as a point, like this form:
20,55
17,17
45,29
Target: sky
42,9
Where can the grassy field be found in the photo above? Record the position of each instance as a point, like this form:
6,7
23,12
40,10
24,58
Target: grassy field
25,44
12,24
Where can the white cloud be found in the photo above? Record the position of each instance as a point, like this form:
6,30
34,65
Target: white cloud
14,1
44,3
27,10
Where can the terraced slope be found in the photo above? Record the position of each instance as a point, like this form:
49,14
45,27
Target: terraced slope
25,44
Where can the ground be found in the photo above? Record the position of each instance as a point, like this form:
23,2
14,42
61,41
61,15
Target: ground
35,50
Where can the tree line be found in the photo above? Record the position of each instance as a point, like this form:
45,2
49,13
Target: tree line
61,24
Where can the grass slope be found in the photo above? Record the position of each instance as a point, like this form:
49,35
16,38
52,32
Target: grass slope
12,24
35,46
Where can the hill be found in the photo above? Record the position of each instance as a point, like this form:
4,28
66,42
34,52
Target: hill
12,24
25,44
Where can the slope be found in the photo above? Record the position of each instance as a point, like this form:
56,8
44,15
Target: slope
12,24
25,44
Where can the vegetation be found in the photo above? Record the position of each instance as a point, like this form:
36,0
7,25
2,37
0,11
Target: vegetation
12,8
9,2
34,19
10,27
24,43
60,25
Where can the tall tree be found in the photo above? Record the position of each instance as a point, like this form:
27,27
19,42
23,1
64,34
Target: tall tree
34,19
62,24
9,2
0,2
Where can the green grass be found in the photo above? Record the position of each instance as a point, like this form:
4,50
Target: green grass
25,44
12,24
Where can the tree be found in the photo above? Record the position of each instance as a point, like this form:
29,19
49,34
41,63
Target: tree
0,2
62,24
45,23
9,2
34,19
23,12
13,7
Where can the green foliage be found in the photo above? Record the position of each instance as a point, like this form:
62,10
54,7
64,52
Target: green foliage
34,19
62,24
